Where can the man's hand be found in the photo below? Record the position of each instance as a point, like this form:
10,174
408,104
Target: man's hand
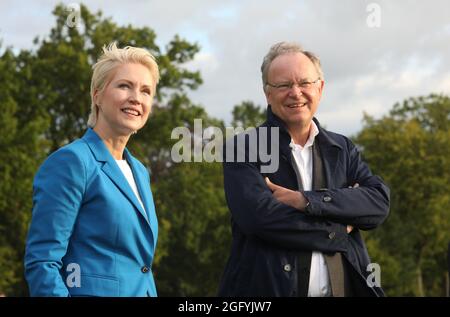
289,197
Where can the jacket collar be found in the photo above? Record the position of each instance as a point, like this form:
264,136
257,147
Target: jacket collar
274,121
112,170
328,146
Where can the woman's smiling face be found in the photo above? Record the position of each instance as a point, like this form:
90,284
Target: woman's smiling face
125,102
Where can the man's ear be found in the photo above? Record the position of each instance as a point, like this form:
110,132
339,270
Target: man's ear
268,94
322,84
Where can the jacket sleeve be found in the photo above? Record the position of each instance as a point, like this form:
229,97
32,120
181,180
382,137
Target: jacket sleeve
364,207
257,213
58,190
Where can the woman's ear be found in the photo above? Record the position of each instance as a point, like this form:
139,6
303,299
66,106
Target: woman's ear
97,97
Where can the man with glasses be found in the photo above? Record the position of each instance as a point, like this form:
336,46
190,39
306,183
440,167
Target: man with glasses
296,231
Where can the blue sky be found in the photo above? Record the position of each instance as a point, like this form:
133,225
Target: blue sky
367,69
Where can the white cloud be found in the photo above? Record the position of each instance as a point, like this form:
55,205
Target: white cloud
366,69
443,84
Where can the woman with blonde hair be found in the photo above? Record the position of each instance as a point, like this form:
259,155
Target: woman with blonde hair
94,228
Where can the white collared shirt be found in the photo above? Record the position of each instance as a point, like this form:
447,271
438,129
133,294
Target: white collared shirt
126,170
319,280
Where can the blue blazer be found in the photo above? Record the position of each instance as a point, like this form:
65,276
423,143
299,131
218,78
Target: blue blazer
89,235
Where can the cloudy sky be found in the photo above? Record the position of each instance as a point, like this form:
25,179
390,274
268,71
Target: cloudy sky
369,63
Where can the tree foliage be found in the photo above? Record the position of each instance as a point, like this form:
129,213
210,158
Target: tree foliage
247,114
62,67
45,102
21,143
410,148
194,228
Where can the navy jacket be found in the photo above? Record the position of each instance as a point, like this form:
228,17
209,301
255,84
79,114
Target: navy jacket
267,234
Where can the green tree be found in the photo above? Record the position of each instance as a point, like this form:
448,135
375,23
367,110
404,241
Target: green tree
410,148
196,230
154,142
63,61
21,128
247,114
193,218
54,111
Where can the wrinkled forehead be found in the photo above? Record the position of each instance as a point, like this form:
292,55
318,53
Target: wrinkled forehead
292,66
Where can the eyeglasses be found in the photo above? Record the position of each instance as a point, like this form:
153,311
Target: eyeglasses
304,85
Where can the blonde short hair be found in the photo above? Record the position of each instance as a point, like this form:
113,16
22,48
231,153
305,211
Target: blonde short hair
111,58
286,48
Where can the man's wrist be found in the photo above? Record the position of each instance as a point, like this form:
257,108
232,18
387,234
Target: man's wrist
307,205
304,202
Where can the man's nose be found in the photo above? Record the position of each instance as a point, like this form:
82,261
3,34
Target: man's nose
295,91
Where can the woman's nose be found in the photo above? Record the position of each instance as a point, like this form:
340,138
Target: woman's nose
134,96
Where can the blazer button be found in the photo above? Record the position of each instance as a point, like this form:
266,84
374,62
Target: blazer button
332,235
144,269
327,199
287,267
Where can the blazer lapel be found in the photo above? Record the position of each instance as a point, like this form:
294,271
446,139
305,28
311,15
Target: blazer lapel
143,186
113,171
115,174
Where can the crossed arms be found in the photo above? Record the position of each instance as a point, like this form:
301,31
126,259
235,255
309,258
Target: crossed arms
278,215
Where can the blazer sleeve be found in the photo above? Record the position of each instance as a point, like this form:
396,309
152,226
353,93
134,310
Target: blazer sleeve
364,207
256,212
58,191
